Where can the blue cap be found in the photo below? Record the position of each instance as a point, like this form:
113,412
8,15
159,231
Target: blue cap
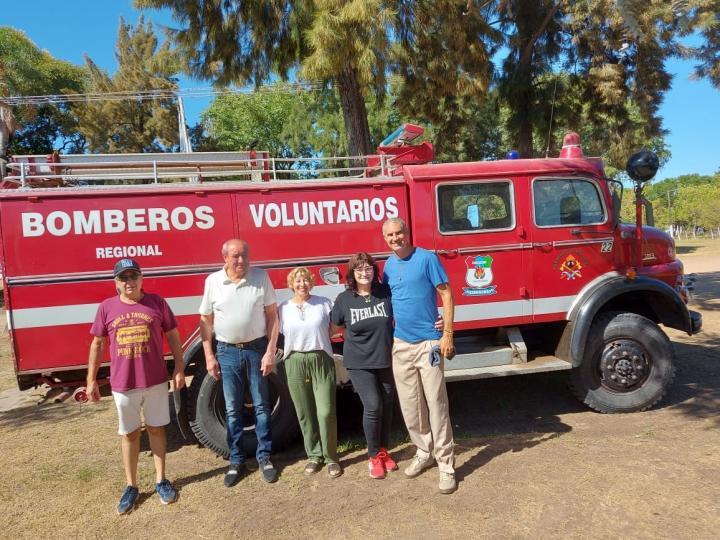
513,154
126,264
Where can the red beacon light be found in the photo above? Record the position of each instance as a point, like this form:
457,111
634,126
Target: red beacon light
571,146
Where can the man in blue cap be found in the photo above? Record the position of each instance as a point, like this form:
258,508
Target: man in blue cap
133,322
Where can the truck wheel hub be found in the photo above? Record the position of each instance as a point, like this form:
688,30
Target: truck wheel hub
624,366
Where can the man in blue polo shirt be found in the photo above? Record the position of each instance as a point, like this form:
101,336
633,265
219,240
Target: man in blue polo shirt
416,277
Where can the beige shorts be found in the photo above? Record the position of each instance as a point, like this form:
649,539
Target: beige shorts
153,402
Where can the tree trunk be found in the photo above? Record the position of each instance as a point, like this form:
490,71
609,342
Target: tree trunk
354,113
523,80
528,36
524,105
8,125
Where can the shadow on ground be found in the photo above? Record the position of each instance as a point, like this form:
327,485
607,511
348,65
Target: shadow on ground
684,250
696,389
46,413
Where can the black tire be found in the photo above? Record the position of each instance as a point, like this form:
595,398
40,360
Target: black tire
628,364
208,414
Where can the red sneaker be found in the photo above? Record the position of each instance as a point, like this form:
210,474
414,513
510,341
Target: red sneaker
377,470
388,462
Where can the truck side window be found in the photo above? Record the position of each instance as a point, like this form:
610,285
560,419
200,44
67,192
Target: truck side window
475,207
566,201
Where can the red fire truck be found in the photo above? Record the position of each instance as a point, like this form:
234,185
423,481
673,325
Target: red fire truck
545,276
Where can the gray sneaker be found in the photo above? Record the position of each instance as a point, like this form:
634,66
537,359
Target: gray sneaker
269,474
418,465
447,483
235,471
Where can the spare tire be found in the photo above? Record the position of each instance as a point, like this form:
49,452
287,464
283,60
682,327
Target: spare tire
208,414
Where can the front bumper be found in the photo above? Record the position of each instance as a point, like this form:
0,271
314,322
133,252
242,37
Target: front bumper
695,322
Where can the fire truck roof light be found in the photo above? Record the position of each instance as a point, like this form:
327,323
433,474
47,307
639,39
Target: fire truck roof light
571,147
403,135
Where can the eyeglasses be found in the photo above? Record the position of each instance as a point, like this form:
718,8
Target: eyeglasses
128,277
364,270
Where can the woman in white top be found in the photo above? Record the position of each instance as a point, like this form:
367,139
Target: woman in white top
310,369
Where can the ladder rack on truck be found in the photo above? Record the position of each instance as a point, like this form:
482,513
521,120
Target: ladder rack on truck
153,168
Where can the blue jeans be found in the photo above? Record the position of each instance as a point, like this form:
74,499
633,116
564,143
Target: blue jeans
238,367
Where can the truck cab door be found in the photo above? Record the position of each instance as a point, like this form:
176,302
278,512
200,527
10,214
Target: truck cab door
572,241
479,240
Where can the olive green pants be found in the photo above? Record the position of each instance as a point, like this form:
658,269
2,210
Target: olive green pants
311,381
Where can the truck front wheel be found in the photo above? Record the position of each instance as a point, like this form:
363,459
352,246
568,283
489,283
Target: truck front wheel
208,422
627,366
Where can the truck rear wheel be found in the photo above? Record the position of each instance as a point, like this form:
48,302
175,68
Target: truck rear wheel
628,364
208,423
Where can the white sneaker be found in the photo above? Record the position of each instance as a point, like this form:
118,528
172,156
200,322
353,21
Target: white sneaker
418,465
447,483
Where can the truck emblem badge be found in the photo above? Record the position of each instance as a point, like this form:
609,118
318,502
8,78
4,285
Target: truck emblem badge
330,275
479,276
569,266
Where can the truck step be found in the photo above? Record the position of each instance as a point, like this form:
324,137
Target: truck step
494,355
534,365
484,350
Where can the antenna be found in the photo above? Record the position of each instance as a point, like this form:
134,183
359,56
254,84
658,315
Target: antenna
552,112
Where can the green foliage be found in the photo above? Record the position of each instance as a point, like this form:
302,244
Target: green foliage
442,58
355,30
26,70
596,67
270,120
689,201
246,42
291,123
127,125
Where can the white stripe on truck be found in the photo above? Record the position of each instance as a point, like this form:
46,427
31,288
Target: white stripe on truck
188,305
512,308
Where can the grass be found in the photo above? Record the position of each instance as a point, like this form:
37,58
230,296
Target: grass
697,246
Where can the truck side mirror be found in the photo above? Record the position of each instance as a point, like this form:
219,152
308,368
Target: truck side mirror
649,216
616,205
642,166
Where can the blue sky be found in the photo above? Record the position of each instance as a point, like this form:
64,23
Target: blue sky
67,30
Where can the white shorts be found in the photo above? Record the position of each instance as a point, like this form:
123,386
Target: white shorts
153,402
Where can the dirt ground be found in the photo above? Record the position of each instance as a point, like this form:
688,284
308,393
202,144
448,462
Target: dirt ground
532,462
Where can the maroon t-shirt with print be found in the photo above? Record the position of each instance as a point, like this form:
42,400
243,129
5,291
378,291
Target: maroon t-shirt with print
136,340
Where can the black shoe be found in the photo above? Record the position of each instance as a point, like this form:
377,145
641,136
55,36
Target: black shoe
334,470
312,467
269,474
234,473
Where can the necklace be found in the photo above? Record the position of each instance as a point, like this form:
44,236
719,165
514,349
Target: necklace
366,297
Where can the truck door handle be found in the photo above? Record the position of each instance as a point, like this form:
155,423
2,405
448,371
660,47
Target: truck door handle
448,252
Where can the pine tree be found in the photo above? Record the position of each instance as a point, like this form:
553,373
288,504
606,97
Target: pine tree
443,58
126,124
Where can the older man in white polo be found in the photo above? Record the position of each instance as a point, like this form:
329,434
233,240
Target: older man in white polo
239,307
